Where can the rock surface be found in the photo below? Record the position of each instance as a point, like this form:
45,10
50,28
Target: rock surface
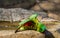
54,14
16,3
47,5
17,14
51,33
55,1
52,7
24,34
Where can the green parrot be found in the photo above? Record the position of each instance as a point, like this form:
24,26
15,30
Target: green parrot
32,23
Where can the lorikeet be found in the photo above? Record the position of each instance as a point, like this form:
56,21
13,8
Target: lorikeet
32,23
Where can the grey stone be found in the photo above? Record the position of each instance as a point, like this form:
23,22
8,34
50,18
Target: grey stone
17,14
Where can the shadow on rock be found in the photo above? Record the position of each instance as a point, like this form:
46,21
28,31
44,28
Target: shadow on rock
48,34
